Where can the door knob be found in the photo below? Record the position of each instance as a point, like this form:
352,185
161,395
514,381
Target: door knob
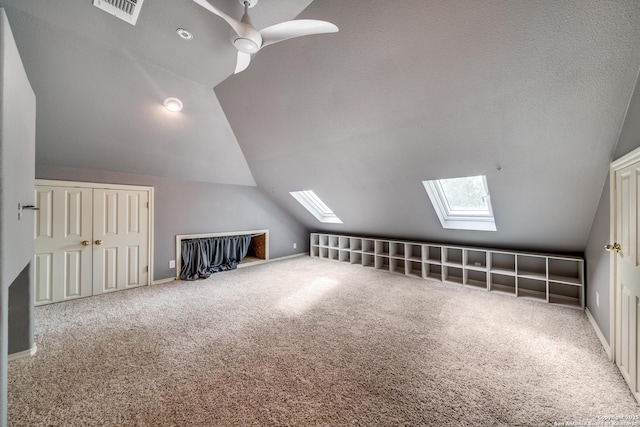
86,243
98,242
613,248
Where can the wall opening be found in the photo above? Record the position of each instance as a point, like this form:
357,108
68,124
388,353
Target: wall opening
258,247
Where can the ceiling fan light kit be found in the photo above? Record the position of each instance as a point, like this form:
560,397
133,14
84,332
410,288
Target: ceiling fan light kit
248,40
245,45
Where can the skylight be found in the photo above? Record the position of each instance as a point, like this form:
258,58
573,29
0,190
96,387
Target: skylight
315,206
462,203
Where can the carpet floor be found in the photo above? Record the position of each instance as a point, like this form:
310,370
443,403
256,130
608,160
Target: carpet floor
306,341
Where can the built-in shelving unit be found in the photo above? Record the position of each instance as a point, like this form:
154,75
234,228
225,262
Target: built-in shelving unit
554,279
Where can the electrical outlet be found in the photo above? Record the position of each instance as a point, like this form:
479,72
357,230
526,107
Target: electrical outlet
295,245
172,263
597,299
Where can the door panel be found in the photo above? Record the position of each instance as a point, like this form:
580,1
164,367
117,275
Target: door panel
624,211
133,267
635,199
44,217
73,274
626,331
109,266
121,222
62,262
43,277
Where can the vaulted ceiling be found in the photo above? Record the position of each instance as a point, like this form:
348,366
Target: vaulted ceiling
531,94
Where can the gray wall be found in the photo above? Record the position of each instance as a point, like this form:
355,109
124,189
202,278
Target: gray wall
597,264
597,260
17,158
186,207
21,312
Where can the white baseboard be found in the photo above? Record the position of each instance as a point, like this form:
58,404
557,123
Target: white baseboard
289,256
27,353
604,342
249,264
168,279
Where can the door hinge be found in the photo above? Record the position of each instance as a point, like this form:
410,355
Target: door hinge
146,269
147,205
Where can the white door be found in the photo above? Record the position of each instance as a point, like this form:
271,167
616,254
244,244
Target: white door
121,239
17,172
627,273
63,254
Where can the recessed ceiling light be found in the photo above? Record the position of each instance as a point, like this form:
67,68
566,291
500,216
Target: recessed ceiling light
185,34
173,104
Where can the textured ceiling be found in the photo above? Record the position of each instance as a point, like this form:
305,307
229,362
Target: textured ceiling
406,91
416,90
100,83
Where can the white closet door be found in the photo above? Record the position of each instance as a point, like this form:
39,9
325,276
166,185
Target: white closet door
63,255
121,239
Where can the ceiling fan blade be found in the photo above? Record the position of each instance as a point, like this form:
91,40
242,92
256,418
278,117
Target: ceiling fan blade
297,28
244,59
237,26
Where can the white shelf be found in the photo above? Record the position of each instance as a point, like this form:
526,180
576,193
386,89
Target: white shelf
532,274
555,279
344,242
396,250
566,280
475,278
368,260
382,247
502,289
397,266
413,251
503,271
433,254
433,271
453,275
414,268
452,256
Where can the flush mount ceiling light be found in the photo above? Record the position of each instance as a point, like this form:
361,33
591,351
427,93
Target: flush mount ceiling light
173,104
185,34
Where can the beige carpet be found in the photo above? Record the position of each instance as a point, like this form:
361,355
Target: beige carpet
312,342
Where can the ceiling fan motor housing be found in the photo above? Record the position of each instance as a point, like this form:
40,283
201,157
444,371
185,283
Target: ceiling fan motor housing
248,40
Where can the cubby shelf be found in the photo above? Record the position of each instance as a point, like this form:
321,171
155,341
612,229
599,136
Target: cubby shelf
554,279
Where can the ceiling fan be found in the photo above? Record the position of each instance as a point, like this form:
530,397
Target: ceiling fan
249,41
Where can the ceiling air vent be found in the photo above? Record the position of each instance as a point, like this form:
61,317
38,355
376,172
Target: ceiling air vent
127,10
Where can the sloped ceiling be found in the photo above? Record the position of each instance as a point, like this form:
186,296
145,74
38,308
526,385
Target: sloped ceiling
100,83
531,94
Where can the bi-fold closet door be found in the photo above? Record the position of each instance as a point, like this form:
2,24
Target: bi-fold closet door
89,241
